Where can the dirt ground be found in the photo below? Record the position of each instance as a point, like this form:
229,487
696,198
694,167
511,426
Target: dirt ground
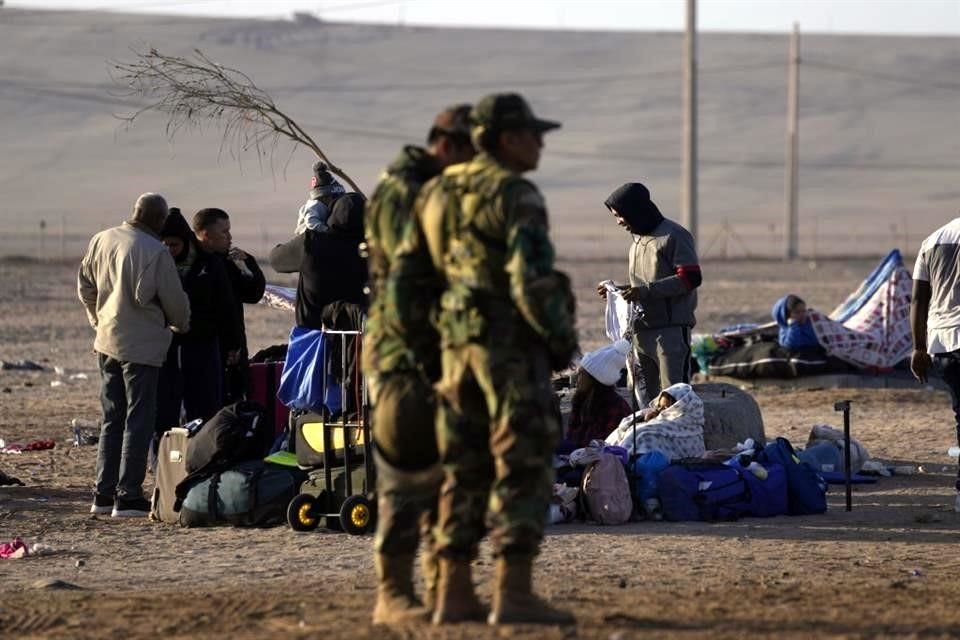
885,569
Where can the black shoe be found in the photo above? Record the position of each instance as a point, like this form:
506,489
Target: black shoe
131,508
102,505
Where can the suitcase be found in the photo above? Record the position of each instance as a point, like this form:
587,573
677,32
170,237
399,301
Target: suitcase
171,470
309,446
264,379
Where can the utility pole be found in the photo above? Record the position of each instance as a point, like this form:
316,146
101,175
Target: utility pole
791,224
690,122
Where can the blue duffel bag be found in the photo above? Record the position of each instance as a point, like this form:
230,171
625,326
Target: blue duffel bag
712,491
806,488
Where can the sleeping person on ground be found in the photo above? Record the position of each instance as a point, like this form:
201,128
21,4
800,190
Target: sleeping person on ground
672,424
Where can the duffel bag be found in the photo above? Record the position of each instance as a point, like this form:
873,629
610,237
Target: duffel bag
253,493
703,491
806,488
768,495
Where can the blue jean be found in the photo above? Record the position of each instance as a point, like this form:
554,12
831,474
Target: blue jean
951,375
128,395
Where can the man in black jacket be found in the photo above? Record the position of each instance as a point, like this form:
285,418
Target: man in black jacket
192,373
212,228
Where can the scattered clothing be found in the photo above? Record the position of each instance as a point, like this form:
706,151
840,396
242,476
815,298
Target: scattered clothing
36,445
677,431
10,481
15,549
824,433
20,365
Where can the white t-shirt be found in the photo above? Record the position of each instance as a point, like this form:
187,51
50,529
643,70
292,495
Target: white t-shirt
939,264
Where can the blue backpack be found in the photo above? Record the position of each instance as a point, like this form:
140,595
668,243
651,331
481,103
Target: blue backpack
713,491
806,488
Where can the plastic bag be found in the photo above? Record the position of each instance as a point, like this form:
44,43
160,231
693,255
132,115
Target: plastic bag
647,468
305,382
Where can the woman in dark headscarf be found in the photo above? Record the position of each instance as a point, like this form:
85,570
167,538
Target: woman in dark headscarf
191,380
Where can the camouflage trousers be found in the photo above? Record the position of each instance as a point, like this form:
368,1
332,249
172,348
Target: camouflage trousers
408,476
496,430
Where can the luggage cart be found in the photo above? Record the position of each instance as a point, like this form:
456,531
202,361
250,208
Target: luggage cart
341,492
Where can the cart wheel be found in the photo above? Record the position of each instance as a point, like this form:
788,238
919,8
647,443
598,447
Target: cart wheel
300,513
356,516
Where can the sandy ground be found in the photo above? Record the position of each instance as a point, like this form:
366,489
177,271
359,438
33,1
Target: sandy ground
884,569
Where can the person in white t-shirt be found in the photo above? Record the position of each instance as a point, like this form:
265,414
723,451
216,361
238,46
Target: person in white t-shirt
935,313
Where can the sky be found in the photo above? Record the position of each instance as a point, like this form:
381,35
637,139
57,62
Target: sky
904,17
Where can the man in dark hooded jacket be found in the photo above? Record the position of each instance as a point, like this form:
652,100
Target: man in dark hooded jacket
329,262
192,373
664,276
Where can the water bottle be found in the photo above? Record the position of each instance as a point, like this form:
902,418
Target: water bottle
758,470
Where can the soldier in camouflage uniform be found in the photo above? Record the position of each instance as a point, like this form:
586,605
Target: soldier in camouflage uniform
401,374
480,243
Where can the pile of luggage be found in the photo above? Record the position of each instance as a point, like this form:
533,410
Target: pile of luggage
598,484
217,474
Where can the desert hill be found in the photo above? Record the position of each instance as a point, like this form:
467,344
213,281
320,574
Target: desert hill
880,125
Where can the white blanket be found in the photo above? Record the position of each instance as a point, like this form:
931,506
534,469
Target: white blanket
677,432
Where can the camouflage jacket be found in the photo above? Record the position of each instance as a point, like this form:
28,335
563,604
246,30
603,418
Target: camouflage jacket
479,245
387,214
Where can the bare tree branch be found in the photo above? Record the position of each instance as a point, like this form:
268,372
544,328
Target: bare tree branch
192,91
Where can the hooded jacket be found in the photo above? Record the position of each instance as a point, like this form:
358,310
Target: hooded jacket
663,261
208,287
329,263
793,335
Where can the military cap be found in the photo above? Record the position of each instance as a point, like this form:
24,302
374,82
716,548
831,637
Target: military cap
504,111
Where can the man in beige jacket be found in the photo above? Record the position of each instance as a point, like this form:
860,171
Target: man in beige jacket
129,285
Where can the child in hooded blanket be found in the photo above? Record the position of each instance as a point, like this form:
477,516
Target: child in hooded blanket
796,330
597,407
672,424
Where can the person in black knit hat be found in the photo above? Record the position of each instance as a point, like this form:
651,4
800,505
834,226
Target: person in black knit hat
664,274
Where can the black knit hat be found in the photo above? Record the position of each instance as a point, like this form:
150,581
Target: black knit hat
632,202
323,182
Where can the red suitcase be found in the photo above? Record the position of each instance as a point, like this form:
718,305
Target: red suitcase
264,380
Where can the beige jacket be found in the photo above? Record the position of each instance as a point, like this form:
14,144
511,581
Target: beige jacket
132,293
